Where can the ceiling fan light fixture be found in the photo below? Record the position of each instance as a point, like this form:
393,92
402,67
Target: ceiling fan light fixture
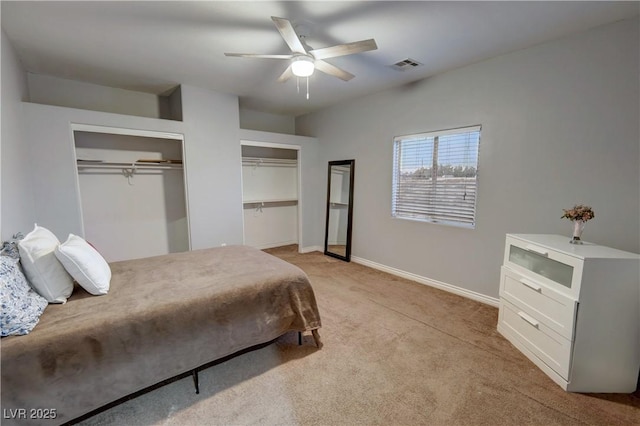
302,66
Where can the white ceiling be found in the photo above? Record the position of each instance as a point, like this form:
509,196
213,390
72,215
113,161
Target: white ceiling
152,46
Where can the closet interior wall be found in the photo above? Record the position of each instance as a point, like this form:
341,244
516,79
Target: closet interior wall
270,196
132,208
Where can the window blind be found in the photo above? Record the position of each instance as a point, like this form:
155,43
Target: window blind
435,176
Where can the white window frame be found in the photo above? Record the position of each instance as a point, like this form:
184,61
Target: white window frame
425,207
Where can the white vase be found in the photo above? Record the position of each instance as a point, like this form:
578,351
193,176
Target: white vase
578,227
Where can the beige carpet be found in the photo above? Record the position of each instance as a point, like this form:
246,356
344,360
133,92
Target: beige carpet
395,353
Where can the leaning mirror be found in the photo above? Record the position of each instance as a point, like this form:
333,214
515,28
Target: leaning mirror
337,238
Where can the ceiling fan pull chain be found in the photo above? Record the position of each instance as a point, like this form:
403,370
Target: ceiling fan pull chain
298,84
307,87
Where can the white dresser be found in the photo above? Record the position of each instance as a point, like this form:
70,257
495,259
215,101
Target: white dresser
574,310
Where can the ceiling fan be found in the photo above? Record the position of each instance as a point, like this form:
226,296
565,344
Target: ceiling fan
305,60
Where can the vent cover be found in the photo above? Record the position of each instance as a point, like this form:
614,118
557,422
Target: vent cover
406,64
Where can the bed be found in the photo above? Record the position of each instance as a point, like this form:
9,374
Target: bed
163,316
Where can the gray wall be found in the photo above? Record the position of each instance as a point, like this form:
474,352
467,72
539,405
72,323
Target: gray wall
44,89
265,122
560,126
41,154
17,210
51,155
214,167
212,162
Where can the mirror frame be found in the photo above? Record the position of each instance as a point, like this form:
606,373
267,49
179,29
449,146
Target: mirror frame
347,256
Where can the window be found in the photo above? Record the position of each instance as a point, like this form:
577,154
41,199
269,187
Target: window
435,176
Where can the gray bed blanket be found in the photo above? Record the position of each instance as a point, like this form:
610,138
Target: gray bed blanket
163,316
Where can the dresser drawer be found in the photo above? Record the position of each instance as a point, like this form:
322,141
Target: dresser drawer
555,309
552,348
554,268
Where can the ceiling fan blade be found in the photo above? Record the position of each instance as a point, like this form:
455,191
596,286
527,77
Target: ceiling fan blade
289,35
327,68
286,75
259,56
344,49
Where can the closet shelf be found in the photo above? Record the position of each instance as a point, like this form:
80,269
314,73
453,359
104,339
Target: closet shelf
278,162
140,164
270,200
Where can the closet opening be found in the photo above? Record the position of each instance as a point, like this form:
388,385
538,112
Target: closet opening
132,191
270,194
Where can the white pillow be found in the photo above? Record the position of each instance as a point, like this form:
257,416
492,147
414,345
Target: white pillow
43,270
85,265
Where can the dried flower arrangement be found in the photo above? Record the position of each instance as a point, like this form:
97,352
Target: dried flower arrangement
579,212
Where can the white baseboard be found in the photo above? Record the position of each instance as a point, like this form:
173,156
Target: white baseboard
428,281
310,249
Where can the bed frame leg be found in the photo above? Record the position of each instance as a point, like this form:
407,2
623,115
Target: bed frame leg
194,373
316,337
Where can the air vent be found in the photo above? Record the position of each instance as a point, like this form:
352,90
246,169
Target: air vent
406,64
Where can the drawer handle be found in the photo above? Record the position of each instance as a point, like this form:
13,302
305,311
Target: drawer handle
528,319
537,250
533,286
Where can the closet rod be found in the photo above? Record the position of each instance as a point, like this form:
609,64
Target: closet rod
136,165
